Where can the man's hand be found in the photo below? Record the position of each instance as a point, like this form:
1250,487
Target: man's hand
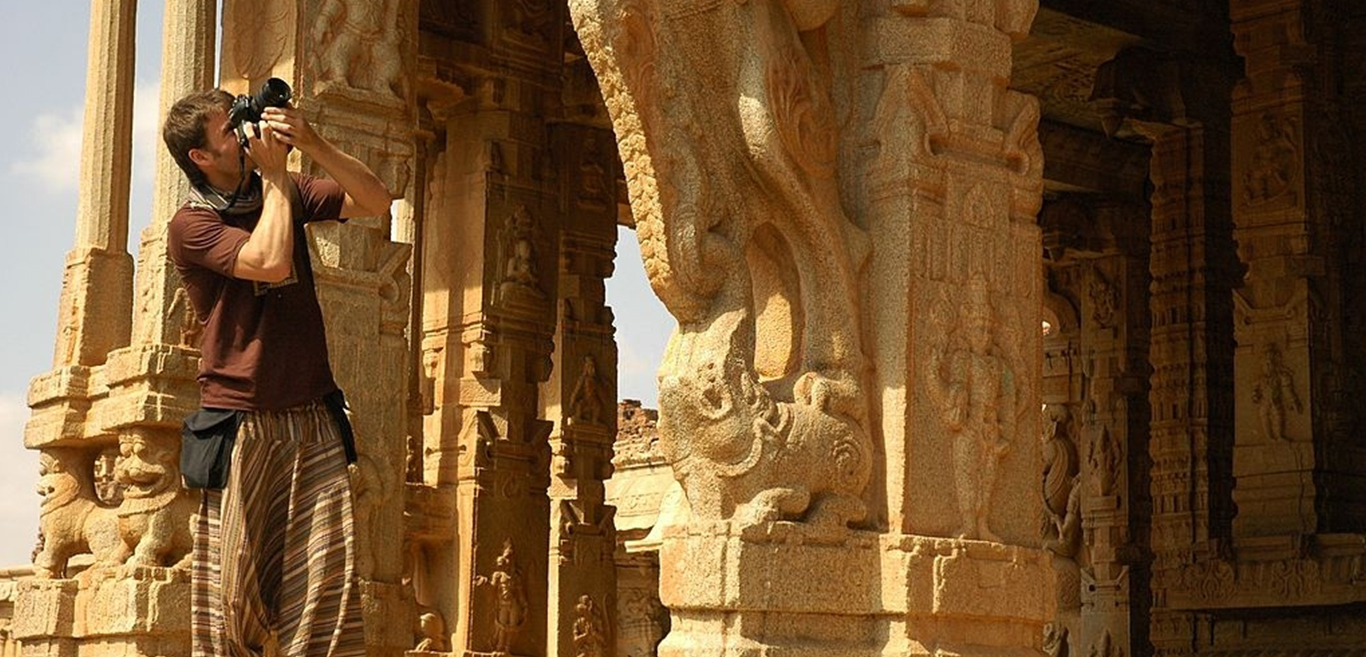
267,150
290,127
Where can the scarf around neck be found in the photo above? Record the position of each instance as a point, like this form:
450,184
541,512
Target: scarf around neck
221,201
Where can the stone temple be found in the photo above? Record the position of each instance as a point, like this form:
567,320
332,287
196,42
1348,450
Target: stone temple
1004,328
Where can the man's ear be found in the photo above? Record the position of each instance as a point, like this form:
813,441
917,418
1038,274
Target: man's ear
199,157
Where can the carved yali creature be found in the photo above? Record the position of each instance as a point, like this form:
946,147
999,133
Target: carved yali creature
155,514
725,181
70,521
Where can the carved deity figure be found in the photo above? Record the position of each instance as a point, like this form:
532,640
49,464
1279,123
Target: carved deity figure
359,44
1272,392
433,633
1273,160
588,402
1061,476
510,609
155,514
1103,457
519,262
70,521
973,383
590,629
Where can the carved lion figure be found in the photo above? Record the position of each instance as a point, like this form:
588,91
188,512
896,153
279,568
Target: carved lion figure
70,520
155,514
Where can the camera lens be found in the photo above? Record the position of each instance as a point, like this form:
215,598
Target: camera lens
274,93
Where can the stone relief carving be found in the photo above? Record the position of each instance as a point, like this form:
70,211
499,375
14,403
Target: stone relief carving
509,589
108,490
432,632
792,447
1274,160
70,521
371,487
1273,392
1104,300
590,629
155,515
1061,483
972,381
259,36
1103,457
1106,646
588,402
1055,640
520,275
641,621
359,45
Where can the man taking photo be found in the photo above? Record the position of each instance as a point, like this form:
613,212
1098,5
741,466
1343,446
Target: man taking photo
274,547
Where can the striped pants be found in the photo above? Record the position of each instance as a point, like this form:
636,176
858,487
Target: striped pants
274,551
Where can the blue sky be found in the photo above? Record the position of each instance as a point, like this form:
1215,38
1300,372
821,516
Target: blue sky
43,48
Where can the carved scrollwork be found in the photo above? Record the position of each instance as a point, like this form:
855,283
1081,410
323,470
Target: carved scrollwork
720,195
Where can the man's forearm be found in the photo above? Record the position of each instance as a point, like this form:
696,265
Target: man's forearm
270,249
356,179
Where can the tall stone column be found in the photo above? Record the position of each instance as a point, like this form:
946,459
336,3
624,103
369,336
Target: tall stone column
1191,355
91,325
492,239
1289,324
581,399
94,314
838,206
1095,483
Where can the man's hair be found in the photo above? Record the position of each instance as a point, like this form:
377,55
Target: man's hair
185,128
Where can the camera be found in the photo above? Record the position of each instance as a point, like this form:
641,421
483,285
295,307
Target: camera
247,109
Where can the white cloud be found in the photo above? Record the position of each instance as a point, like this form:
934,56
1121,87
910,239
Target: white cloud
18,478
54,156
54,161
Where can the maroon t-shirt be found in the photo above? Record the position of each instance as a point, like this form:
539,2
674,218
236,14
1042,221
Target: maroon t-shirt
263,345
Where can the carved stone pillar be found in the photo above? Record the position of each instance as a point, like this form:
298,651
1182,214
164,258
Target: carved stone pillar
581,398
1095,432
837,204
492,236
1289,324
1191,355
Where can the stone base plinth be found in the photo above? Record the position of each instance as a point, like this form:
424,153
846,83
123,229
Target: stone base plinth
128,611
790,590
45,609
962,597
776,589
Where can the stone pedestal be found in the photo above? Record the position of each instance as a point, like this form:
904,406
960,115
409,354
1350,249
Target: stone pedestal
778,589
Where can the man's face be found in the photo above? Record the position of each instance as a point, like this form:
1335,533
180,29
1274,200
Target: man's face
221,149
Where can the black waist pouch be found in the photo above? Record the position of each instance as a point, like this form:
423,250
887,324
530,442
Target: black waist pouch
206,441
